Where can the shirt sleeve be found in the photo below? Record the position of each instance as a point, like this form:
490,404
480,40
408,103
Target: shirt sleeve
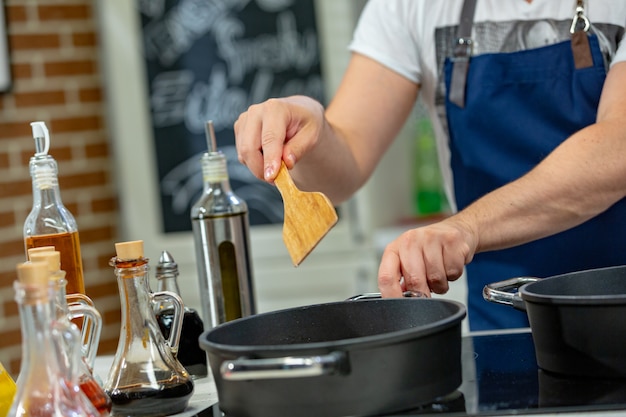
382,35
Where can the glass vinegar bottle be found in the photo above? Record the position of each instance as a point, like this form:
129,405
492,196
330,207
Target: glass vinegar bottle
47,384
190,354
145,378
64,313
50,223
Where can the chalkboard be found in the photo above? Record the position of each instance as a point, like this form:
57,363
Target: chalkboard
210,60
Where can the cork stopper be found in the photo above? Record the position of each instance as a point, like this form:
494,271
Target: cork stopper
127,251
33,273
51,258
40,249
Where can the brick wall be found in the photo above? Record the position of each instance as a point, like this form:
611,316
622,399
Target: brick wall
56,78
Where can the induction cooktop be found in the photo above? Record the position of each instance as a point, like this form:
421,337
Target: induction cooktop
500,376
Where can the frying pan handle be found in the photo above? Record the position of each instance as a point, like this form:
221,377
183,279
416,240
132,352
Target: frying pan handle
287,367
500,292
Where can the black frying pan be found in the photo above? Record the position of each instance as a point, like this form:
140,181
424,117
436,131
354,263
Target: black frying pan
578,320
360,358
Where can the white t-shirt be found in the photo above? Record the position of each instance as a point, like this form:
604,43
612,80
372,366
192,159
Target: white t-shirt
413,37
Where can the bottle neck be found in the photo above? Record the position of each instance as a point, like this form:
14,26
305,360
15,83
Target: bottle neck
137,313
215,173
58,282
168,282
44,174
37,317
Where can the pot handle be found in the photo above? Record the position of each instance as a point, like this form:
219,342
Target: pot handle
287,367
500,292
376,295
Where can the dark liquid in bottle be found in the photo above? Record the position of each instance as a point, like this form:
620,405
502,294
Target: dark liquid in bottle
145,401
190,355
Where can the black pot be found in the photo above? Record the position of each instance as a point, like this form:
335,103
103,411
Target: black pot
350,358
578,320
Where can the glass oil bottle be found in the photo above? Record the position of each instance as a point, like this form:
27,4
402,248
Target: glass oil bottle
221,238
145,378
93,325
47,384
50,223
190,354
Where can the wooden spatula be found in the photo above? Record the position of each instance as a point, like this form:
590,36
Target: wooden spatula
308,217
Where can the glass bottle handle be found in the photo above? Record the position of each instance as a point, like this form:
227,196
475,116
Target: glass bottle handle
82,306
177,320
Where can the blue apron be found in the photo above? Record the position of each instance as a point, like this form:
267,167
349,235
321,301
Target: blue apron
518,107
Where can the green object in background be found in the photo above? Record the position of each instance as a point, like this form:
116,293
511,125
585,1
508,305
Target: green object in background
429,194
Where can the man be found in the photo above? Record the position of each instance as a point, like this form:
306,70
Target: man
530,134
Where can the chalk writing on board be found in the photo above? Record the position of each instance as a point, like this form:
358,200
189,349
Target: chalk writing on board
210,60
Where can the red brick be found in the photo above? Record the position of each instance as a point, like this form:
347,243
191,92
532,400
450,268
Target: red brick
34,41
104,205
90,95
103,290
7,218
112,316
85,179
67,68
72,207
59,153
76,124
15,130
10,307
97,150
108,346
64,12
21,71
4,160
15,13
7,278
103,260
16,188
85,39
40,98
11,248
97,235
10,338
14,366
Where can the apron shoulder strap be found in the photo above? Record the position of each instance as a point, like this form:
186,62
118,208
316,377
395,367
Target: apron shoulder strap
462,53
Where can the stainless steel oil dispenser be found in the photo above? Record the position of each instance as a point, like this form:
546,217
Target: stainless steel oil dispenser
221,238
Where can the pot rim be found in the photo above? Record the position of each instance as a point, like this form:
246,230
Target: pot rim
529,292
598,300
353,343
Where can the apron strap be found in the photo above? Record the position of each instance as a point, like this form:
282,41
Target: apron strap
580,42
463,48
462,54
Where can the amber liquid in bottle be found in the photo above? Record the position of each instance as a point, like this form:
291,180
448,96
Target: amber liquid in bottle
71,261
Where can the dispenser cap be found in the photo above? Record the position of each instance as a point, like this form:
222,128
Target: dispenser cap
42,138
126,251
211,141
167,264
32,251
33,273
